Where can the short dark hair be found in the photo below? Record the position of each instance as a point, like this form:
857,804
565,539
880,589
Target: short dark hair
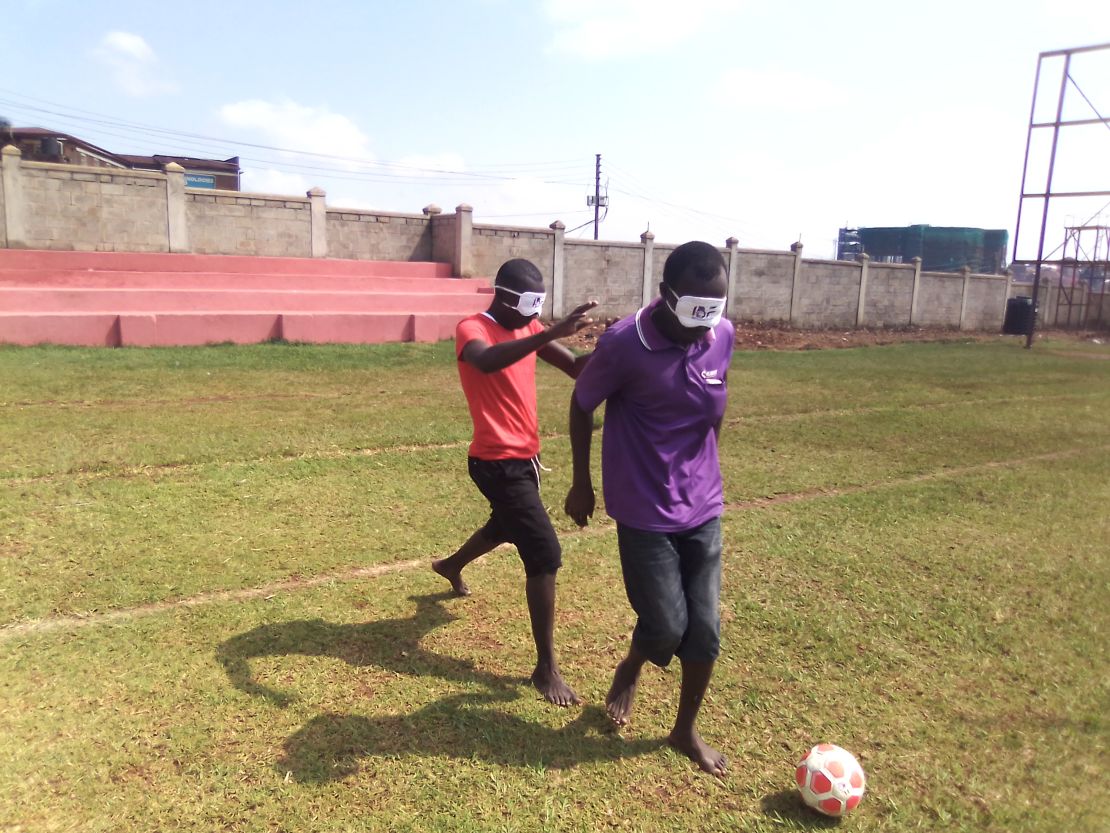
518,273
704,261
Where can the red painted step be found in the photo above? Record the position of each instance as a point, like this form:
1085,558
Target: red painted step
71,299
162,262
120,298
29,278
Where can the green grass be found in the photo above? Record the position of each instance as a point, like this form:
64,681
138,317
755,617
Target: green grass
190,638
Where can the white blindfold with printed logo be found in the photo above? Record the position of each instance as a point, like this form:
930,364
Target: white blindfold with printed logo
527,303
693,311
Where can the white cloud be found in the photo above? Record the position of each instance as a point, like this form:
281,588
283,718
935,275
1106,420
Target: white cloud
777,90
288,124
599,29
532,199
271,181
133,64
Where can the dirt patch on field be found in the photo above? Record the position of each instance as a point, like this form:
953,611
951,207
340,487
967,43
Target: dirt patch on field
754,335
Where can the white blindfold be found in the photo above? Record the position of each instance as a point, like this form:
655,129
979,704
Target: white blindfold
694,311
527,303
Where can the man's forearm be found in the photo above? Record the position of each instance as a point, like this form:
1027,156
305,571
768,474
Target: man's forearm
499,356
581,426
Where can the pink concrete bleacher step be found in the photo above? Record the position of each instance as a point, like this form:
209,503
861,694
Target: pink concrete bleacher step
75,278
115,298
75,299
168,329
39,259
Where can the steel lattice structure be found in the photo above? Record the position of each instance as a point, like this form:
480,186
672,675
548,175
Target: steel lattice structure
1082,255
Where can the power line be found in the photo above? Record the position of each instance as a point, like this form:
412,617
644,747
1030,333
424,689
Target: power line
108,121
641,192
361,169
369,174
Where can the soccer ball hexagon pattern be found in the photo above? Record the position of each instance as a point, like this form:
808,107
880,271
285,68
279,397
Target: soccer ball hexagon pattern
830,779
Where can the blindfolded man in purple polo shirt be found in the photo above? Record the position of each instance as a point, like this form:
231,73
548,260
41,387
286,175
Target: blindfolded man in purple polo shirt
662,373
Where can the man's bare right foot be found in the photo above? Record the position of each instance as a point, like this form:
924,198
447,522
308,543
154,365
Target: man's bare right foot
550,683
701,753
453,576
618,702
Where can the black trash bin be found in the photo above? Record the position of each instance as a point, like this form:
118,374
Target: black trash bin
1019,316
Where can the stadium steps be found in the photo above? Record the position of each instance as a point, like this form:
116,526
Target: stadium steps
120,298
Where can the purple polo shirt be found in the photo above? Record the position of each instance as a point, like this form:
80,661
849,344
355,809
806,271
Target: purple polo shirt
659,465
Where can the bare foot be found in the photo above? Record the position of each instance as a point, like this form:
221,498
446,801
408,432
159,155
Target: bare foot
697,750
618,702
453,576
550,683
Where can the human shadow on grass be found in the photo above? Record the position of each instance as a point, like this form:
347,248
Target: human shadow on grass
393,644
333,746
786,805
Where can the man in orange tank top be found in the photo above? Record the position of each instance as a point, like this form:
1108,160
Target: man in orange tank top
496,352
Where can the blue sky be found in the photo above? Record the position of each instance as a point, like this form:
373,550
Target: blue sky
714,118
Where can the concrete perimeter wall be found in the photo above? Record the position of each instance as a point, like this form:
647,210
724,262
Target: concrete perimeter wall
50,206
763,286
374,235
231,222
76,207
611,273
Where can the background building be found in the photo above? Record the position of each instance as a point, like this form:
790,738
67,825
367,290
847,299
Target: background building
38,144
941,249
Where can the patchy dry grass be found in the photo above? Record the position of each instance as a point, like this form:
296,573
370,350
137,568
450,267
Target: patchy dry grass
195,634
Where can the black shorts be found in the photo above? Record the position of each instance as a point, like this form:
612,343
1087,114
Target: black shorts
517,515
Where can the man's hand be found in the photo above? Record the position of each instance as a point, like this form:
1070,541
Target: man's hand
580,504
573,322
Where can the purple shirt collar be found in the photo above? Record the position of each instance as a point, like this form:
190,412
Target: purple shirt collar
654,340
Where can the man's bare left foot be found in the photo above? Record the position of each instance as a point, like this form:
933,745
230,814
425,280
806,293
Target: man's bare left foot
697,750
453,576
550,683
618,702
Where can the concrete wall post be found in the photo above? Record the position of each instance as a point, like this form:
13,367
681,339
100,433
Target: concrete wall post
464,232
647,288
318,216
177,222
795,282
431,211
864,260
733,264
558,300
966,272
916,290
11,180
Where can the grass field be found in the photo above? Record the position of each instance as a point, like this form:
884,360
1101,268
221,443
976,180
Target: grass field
216,611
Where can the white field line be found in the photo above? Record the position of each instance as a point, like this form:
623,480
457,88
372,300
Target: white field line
940,474
600,526
124,472
265,591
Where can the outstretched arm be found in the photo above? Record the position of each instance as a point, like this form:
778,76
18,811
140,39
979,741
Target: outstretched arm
580,499
491,358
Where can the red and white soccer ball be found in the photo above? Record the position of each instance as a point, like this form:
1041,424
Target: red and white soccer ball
830,780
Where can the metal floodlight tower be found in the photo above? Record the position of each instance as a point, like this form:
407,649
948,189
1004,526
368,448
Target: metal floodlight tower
1047,195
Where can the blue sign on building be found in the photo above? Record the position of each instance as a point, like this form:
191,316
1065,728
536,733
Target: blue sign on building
200,181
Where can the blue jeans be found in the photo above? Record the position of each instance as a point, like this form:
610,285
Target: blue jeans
673,581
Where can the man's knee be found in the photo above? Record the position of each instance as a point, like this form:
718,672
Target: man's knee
545,568
702,642
660,639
